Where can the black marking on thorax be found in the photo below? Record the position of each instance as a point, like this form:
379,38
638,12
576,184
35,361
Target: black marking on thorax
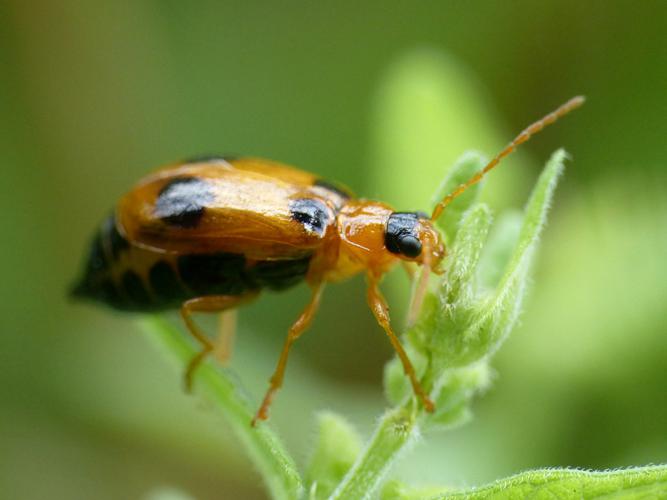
312,213
182,201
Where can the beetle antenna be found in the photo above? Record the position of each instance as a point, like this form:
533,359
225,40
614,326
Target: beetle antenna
526,134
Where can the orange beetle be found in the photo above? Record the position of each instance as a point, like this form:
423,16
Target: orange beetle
208,234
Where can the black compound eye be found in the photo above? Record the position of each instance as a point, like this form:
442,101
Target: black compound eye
401,234
410,246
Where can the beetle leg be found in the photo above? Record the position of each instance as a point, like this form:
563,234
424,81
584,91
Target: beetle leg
295,331
212,303
224,344
409,269
380,310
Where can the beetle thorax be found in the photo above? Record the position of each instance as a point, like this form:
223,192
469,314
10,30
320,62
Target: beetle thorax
361,240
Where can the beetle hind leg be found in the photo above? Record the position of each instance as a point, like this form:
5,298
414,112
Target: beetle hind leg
207,304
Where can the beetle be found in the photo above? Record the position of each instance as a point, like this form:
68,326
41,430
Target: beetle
208,234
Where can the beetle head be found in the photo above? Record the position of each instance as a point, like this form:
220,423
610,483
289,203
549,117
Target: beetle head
412,237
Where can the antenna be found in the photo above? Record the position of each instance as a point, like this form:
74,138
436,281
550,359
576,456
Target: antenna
527,133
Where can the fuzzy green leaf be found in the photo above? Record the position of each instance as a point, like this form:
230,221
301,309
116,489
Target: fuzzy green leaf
464,168
456,389
337,448
641,482
496,317
397,385
462,262
460,326
395,490
393,434
442,325
535,216
498,250
220,387
468,331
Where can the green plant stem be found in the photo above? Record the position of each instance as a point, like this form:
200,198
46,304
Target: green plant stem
395,431
275,465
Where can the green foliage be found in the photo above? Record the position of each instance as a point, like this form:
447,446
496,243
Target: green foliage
220,387
461,325
337,447
465,167
635,483
467,314
396,429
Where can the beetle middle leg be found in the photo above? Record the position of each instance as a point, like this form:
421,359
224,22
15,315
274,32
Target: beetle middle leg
295,331
380,310
211,303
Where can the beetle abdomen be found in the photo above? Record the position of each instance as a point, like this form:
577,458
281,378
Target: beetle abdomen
98,281
128,277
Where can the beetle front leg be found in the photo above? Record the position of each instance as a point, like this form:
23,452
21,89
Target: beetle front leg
380,310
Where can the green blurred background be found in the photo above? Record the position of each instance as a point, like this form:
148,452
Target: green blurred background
95,94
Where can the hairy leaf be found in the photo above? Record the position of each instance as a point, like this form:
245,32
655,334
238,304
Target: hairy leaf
337,447
641,482
464,168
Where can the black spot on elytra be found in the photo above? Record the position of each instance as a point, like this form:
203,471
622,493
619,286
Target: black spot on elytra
134,289
213,274
334,188
312,213
209,158
182,201
400,234
165,283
